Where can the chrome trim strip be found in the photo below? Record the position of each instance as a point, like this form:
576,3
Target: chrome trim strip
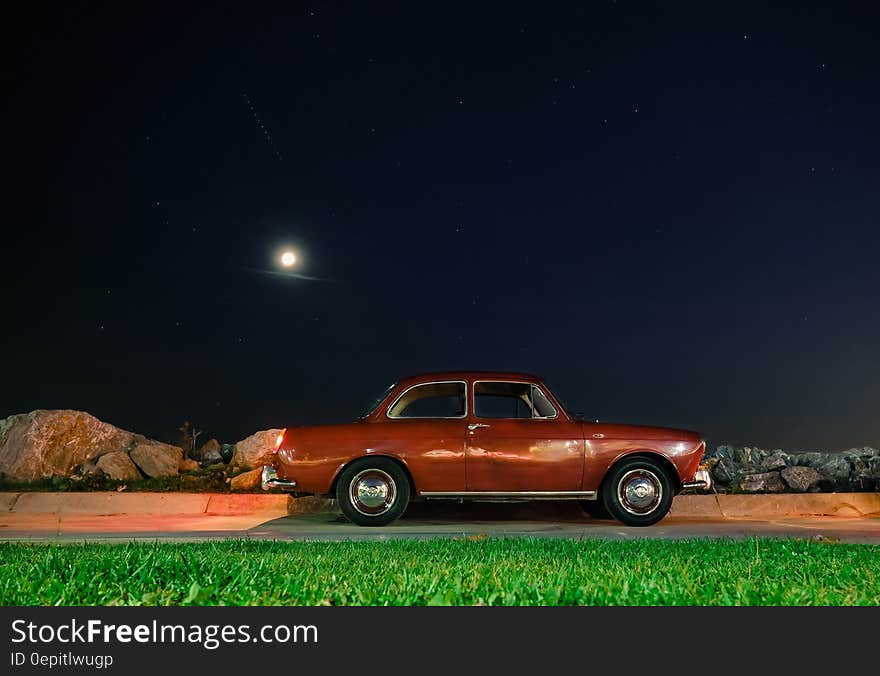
552,495
517,382
428,382
280,483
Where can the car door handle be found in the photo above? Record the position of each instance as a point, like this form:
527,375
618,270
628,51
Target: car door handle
475,426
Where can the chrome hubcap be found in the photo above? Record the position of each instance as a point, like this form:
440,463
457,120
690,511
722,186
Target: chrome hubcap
640,491
372,492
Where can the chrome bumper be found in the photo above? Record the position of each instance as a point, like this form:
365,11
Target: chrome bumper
270,480
702,479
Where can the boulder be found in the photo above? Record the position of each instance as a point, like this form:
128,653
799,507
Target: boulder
252,452
874,467
812,459
776,460
226,452
865,452
765,482
749,455
209,453
89,467
156,459
118,466
247,481
836,469
724,451
724,471
729,472
189,465
800,479
46,443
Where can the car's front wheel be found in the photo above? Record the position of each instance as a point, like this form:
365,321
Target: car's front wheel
373,491
638,492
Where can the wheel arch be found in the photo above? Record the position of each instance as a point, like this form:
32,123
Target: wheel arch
662,460
394,459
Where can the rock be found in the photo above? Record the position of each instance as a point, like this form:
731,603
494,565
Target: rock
749,455
774,461
189,465
874,467
810,459
157,459
47,443
865,452
89,467
800,479
722,452
251,452
726,472
226,452
729,472
209,453
247,481
118,466
836,469
766,482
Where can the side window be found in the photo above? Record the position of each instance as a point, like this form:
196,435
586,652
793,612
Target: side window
542,405
511,400
431,400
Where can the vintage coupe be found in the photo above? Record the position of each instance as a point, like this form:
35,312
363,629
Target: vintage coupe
485,436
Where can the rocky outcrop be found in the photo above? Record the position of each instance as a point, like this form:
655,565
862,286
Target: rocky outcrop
44,444
73,444
118,466
751,469
157,460
253,451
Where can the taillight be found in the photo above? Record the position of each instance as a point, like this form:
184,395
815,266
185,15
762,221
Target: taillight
279,440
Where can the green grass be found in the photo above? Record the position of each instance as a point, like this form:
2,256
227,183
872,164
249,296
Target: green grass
469,571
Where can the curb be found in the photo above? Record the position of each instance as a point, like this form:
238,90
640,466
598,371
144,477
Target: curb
275,505
776,505
111,503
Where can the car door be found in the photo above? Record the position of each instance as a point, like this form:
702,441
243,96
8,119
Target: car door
517,441
425,426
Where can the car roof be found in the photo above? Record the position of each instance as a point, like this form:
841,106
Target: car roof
471,375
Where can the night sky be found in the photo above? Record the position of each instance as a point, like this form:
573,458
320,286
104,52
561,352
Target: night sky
670,213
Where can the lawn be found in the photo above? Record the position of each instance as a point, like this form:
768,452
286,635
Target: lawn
467,571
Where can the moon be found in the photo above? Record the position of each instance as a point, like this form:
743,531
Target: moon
288,258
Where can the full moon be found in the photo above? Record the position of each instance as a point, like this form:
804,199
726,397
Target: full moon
288,258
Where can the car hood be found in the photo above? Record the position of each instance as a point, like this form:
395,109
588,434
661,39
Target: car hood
626,431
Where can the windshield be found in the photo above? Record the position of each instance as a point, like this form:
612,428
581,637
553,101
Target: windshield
378,401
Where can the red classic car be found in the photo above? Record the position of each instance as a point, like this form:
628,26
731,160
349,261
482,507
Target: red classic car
489,436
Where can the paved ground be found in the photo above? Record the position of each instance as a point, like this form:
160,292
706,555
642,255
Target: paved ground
561,520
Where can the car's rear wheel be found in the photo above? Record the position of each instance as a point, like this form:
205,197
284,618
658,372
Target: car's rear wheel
373,491
638,492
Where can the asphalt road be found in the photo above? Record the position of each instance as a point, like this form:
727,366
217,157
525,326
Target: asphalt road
422,521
